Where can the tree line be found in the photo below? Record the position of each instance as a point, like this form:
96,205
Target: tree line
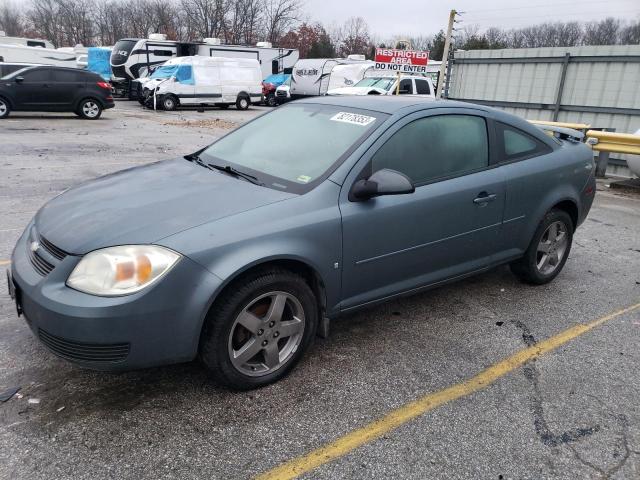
104,22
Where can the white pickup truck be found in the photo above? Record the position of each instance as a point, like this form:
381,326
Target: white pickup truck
386,85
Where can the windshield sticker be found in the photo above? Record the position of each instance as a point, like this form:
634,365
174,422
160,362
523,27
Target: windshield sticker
353,118
304,178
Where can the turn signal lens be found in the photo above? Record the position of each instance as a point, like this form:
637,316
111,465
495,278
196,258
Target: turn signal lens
121,270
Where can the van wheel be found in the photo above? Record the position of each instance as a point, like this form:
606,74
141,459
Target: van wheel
258,329
243,103
4,108
169,103
89,109
271,101
548,250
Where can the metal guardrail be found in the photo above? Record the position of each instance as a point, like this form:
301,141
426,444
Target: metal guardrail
614,142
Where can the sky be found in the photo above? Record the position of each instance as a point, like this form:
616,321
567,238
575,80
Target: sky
387,18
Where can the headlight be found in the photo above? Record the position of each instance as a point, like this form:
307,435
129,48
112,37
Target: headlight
121,270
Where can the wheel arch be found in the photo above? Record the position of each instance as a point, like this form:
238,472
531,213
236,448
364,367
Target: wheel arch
8,100
88,97
293,264
570,207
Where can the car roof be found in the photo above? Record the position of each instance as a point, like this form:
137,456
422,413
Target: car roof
387,103
406,104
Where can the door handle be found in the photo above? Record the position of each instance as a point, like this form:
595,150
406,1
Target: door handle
483,198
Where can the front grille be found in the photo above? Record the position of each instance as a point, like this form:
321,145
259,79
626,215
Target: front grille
85,352
52,249
40,264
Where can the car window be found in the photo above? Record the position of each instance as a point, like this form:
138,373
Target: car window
406,86
66,76
436,147
518,144
38,75
422,87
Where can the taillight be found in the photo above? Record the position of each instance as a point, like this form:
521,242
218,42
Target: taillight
104,85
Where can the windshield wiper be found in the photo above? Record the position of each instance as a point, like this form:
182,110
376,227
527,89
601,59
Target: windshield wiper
232,171
224,168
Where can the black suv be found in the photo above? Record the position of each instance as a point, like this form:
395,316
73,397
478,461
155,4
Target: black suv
55,89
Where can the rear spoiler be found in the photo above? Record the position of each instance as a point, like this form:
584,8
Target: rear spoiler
562,133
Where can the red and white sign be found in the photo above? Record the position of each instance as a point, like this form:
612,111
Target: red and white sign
404,61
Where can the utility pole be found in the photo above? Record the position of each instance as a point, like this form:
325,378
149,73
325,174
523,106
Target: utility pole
445,54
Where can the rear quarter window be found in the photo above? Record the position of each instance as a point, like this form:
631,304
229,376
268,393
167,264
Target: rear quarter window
518,145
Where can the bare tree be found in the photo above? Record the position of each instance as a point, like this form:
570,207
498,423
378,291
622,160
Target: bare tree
279,16
208,16
604,32
12,20
356,38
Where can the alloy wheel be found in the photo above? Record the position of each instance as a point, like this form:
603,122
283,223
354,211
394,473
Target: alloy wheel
90,109
3,108
266,333
552,248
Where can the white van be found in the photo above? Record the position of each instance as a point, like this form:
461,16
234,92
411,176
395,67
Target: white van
205,81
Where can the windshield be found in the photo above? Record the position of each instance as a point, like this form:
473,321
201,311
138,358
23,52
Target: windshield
166,71
294,146
384,83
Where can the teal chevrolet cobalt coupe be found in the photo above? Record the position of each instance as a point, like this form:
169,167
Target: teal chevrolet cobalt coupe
240,253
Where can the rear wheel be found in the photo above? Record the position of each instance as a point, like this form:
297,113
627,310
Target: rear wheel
89,109
258,330
548,251
243,103
4,108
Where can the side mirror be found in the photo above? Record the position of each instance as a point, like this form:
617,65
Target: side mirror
19,79
383,182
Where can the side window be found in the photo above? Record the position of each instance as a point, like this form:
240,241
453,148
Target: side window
162,53
422,87
436,147
65,76
35,43
406,87
517,144
40,75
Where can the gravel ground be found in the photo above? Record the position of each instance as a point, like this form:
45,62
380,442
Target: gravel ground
573,413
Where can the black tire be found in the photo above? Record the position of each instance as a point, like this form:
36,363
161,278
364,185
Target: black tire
5,108
271,101
89,109
169,103
243,102
216,338
527,268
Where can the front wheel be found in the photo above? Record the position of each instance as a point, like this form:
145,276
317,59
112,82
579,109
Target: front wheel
242,103
169,103
258,330
548,250
271,101
4,108
89,109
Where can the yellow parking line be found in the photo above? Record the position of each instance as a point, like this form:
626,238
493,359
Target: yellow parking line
5,262
404,414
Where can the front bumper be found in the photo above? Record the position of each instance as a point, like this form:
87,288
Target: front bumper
156,326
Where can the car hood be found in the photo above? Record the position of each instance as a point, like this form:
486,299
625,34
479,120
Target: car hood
144,204
356,91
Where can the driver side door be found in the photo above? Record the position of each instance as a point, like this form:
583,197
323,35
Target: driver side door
447,228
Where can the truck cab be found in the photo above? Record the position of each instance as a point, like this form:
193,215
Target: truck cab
388,85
